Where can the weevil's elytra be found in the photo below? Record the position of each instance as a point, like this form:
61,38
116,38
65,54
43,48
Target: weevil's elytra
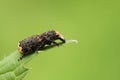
37,42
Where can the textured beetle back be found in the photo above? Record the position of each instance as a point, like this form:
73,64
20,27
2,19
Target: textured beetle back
37,42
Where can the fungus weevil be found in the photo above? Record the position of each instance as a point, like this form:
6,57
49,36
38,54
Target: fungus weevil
37,42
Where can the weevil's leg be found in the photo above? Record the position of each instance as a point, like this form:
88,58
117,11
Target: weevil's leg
49,43
63,40
55,43
40,47
21,57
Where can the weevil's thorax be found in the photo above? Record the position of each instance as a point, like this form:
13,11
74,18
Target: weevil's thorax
50,35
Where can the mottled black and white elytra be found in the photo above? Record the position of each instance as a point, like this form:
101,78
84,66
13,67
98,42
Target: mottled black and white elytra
38,42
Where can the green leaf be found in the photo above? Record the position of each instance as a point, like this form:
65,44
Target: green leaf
11,68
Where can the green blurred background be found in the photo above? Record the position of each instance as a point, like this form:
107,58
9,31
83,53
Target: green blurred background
94,23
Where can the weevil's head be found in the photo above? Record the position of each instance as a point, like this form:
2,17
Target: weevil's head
60,36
